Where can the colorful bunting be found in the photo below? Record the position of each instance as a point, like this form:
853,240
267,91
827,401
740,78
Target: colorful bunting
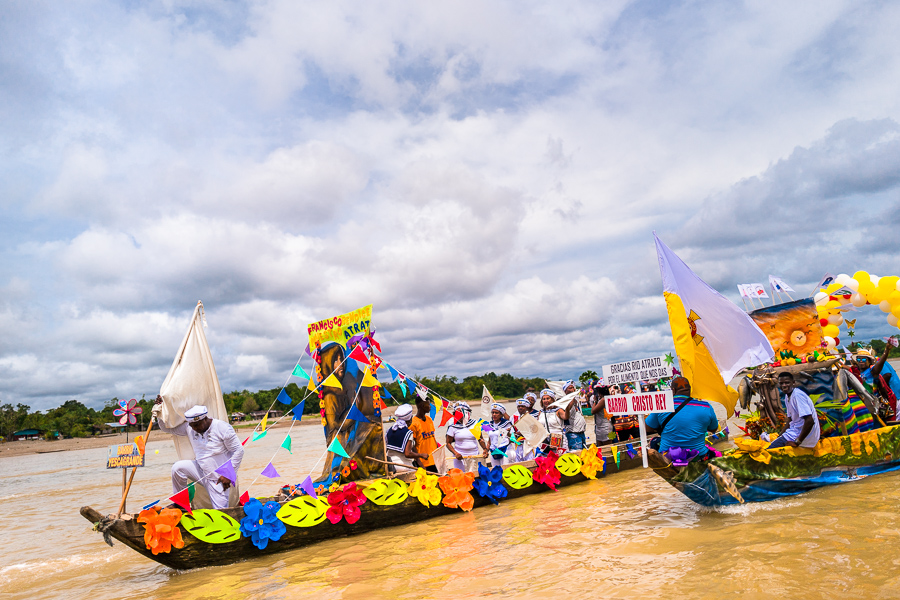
245,441
311,386
226,469
270,471
381,405
245,497
369,380
264,421
432,411
446,418
183,499
615,451
359,356
394,372
332,381
336,448
372,341
402,384
258,435
356,415
386,394
286,444
308,487
629,450
299,372
283,398
298,410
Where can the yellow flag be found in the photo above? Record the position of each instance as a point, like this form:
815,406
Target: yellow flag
311,386
476,429
264,421
714,339
369,380
332,381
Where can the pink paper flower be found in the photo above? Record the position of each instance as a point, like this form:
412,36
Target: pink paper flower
345,503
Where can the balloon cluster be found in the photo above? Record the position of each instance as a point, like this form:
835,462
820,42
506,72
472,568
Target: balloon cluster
864,289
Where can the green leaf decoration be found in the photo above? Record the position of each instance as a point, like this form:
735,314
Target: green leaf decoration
304,511
569,464
386,492
211,526
517,477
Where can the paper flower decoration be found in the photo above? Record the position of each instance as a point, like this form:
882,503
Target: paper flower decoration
680,457
345,472
546,471
456,486
352,464
161,532
345,503
591,462
128,409
756,449
261,523
425,488
488,485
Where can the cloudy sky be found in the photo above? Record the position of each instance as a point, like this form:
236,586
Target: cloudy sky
488,175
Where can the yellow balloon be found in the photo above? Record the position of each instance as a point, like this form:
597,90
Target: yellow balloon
888,284
867,289
895,310
832,305
861,276
832,288
831,331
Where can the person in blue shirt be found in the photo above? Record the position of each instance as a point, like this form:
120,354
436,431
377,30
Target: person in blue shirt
689,425
880,375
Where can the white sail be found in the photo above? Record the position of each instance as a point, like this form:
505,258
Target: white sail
192,381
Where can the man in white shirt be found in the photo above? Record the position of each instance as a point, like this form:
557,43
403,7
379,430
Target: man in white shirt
803,425
214,442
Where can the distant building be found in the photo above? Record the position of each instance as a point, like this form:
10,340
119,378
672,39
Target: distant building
30,434
257,415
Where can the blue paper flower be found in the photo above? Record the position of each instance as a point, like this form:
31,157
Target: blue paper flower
488,485
261,524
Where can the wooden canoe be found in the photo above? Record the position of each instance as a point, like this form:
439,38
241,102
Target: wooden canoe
196,554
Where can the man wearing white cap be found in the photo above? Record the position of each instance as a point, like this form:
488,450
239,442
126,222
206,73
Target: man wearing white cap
214,443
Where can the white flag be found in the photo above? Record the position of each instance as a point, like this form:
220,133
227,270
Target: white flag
486,401
779,285
757,290
742,288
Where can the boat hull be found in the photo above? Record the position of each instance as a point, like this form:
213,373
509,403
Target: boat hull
196,553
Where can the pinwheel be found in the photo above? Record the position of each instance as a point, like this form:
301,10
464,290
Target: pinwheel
127,410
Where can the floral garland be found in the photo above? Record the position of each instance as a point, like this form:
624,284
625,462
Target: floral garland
320,377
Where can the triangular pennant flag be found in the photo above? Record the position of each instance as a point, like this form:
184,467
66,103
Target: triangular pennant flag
191,490
403,387
311,386
629,449
336,448
411,385
270,471
476,429
394,372
183,499
356,415
257,435
374,343
332,381
298,410
264,421
226,469
245,497
381,403
245,440
358,355
432,411
615,453
385,393
308,487
299,372
369,380
352,368
447,417
286,444
283,398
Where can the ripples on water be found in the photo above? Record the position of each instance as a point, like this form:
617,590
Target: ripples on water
630,535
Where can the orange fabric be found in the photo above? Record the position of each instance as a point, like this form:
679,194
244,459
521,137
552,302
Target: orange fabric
423,432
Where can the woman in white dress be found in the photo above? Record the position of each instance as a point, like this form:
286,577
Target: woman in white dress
551,419
461,442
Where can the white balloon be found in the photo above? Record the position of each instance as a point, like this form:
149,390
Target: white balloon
858,299
875,279
842,279
892,320
885,306
821,298
854,284
898,285
829,342
836,319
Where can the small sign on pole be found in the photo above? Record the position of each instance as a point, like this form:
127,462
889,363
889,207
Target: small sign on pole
632,371
124,456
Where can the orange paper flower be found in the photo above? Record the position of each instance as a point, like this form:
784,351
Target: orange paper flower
161,531
456,486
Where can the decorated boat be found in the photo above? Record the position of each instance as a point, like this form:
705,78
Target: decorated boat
353,493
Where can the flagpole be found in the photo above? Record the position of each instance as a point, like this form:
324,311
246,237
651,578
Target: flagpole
643,430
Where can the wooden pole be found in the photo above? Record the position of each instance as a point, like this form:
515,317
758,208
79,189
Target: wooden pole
127,488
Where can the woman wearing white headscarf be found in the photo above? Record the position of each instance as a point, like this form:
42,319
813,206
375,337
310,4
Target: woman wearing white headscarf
399,441
552,419
461,441
499,434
